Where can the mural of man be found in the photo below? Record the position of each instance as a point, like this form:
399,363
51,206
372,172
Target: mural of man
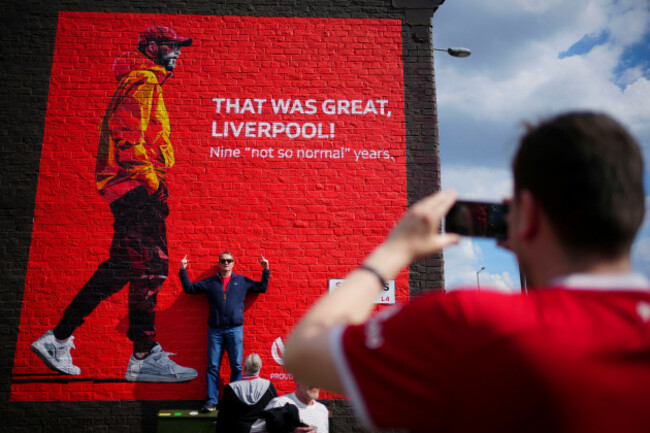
133,157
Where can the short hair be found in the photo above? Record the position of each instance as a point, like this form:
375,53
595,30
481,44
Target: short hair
586,171
226,252
252,364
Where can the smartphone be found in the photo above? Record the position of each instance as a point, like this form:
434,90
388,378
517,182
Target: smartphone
481,219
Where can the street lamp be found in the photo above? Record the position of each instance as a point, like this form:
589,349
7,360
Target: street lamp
477,280
456,51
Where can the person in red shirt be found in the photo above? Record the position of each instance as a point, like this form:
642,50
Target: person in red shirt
226,293
571,355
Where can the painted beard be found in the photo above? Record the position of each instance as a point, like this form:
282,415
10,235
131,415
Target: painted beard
168,63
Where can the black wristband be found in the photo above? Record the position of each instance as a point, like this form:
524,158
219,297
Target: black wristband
375,273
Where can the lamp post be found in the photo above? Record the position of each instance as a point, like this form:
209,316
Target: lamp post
522,281
478,282
456,51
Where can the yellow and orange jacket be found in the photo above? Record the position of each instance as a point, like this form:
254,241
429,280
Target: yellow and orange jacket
134,148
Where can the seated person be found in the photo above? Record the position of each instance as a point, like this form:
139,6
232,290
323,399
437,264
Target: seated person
313,416
244,400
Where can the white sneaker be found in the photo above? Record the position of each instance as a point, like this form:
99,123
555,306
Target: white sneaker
56,355
157,367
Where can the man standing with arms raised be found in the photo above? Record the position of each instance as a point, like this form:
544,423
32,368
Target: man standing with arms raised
226,294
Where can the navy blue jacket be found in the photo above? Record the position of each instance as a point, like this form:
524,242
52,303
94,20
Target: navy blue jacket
226,310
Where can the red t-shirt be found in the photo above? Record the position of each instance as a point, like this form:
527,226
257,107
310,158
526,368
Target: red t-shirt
554,360
226,281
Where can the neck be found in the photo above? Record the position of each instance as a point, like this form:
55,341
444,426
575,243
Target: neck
543,256
562,265
225,274
305,399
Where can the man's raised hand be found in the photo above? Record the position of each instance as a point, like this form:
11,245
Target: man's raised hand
418,232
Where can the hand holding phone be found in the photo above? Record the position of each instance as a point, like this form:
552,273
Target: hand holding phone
480,219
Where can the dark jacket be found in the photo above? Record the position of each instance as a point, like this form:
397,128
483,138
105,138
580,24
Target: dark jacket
243,403
226,310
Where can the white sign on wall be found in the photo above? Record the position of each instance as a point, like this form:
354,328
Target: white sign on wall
386,297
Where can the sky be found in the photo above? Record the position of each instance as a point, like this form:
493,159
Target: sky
530,60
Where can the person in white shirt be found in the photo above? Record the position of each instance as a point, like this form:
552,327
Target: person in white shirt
311,413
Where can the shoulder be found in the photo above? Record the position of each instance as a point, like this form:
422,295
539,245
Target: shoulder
232,386
230,392
279,401
148,74
142,77
210,280
239,278
321,407
446,318
464,307
243,278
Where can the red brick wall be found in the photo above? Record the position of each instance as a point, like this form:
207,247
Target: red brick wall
313,203
314,219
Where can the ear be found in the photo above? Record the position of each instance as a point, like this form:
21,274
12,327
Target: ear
152,50
529,216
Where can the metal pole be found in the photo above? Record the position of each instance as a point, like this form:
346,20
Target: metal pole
478,282
522,281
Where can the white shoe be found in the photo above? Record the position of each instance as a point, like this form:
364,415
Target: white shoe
56,355
157,367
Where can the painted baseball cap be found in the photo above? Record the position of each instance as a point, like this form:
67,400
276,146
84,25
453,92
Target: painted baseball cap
164,34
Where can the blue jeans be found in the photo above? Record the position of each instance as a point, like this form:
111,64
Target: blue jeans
230,340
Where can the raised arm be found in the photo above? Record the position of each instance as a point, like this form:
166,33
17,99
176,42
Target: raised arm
263,285
417,235
188,287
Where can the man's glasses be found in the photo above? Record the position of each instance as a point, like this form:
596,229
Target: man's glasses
226,260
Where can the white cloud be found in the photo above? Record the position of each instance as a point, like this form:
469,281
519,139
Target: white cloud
642,255
515,73
464,252
478,183
464,260
641,247
628,21
461,265
548,85
501,282
631,76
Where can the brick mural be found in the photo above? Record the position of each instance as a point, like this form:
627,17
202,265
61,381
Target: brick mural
286,139
294,134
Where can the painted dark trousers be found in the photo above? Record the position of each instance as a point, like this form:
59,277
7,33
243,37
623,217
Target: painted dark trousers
138,256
